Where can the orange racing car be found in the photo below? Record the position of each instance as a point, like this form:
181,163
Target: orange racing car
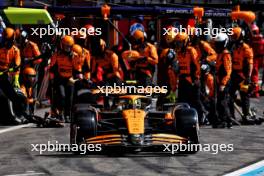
131,122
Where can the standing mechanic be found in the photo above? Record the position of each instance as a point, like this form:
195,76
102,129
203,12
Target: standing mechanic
207,57
257,44
10,60
62,74
242,66
223,73
168,66
148,59
189,74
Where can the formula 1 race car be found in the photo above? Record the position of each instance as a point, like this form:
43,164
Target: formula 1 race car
132,122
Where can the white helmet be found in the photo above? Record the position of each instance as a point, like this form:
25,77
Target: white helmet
221,39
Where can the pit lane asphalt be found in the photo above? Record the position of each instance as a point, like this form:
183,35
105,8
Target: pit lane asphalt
16,157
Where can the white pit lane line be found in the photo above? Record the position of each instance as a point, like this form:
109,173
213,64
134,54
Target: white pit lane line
28,173
256,169
15,128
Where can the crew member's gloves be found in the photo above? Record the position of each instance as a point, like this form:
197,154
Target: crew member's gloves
171,97
221,88
72,81
79,76
205,68
171,55
16,81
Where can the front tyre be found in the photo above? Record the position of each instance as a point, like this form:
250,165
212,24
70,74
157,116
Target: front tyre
186,125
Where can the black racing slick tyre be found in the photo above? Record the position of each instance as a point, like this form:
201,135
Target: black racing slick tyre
85,121
186,125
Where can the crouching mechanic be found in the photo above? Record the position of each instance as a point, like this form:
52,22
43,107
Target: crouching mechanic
189,74
148,59
106,70
29,81
223,73
62,75
107,61
82,62
9,67
242,66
